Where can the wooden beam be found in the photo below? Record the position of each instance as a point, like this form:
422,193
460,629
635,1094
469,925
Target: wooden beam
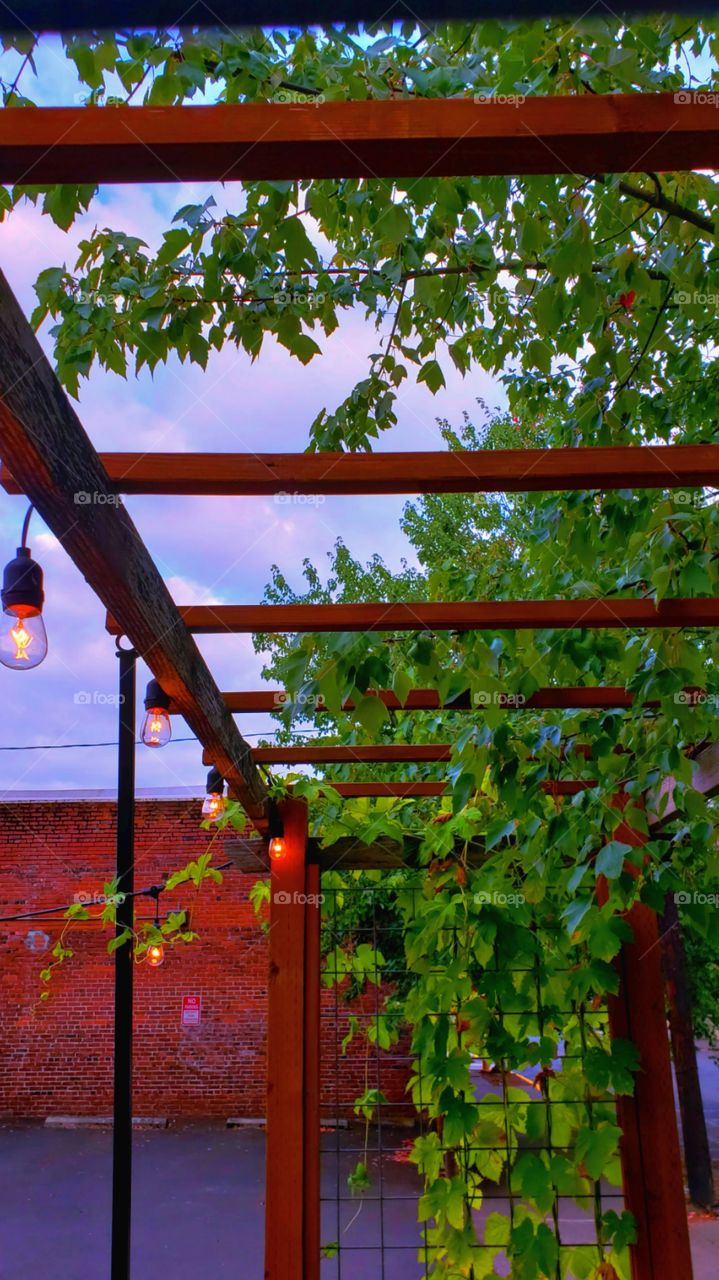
346,854
410,790
419,137
43,441
582,698
351,854
376,753
285,1168
121,15
482,615
461,471
379,753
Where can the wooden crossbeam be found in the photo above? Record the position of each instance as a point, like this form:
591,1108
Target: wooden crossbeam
577,697
381,753
345,854
121,15
461,471
483,615
44,442
410,790
377,753
578,133
352,854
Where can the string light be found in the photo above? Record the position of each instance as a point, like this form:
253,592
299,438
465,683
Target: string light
213,806
23,638
277,848
156,727
156,951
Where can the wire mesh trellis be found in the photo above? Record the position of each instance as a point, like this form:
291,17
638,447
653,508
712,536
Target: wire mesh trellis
370,1225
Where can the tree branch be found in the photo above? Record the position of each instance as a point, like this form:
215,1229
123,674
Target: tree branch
658,200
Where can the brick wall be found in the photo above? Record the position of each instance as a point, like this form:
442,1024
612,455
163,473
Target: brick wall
56,1056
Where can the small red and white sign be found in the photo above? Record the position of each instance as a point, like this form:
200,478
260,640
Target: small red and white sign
191,1011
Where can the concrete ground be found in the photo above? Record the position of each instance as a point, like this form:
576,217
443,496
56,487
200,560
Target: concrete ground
198,1204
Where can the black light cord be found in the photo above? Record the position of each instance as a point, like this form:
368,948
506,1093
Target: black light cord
25,525
152,891
70,746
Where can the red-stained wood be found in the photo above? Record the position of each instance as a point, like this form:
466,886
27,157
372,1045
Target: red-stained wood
285,1207
381,753
44,441
312,1037
408,790
411,137
650,1152
578,697
378,753
481,615
463,471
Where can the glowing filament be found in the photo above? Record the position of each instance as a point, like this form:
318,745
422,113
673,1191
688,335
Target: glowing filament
22,640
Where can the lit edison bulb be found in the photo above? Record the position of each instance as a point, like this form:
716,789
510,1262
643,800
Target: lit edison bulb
23,639
213,806
155,954
277,848
156,727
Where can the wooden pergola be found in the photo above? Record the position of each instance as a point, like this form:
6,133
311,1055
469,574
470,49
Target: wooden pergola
47,455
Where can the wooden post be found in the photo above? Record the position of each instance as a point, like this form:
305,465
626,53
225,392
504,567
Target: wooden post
697,1155
312,1075
651,1160
293,1130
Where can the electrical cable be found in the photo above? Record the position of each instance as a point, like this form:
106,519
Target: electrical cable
68,746
152,891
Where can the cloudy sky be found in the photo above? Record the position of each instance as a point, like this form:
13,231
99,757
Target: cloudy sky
209,550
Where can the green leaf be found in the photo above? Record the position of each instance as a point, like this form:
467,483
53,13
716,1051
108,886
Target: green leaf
431,373
358,1180
533,1180
610,860
174,244
394,225
595,1148
119,941
372,714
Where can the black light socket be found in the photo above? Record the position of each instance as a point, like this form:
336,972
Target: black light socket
155,696
22,588
215,782
275,825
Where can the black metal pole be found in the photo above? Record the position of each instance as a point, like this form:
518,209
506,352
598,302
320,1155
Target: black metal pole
122,1109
